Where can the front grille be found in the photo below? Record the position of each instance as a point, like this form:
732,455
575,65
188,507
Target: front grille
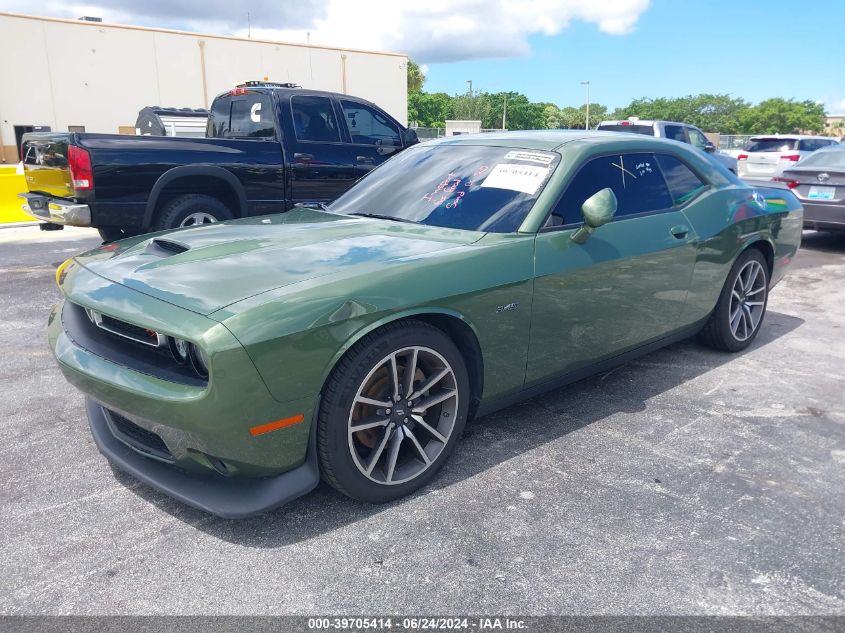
137,438
122,328
123,350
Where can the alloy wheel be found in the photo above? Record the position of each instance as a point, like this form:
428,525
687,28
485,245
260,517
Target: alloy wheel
200,217
748,300
403,415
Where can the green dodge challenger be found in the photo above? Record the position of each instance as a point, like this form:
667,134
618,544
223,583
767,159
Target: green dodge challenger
232,365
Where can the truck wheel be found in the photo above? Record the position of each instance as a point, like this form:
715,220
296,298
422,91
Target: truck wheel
190,210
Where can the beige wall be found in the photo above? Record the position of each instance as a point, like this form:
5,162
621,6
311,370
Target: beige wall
65,72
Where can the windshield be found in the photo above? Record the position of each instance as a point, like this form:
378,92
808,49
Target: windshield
648,130
472,187
770,145
826,158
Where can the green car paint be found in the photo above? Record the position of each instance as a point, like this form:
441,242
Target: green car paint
275,302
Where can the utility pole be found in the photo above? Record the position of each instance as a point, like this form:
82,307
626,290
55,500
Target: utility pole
505,114
587,124
248,25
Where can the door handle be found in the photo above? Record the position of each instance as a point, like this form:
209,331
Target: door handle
679,231
303,157
366,160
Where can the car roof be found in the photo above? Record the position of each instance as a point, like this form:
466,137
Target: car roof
549,139
646,122
797,137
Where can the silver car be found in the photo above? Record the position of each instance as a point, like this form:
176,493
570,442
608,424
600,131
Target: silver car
818,181
767,156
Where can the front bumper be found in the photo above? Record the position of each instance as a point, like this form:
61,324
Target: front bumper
226,497
824,216
56,210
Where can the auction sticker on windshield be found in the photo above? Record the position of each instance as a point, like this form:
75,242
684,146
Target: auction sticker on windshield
525,178
535,157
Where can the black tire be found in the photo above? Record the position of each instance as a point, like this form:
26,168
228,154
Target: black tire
113,233
335,441
175,212
717,332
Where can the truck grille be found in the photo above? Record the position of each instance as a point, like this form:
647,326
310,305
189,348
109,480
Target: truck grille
137,438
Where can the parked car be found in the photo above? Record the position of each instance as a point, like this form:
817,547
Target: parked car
683,132
819,183
267,148
765,157
232,365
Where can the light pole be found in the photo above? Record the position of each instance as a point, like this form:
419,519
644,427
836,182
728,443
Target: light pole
587,124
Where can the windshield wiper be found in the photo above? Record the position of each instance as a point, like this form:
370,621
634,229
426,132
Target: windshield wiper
379,216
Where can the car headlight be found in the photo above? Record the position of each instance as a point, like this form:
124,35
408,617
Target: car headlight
198,360
186,353
179,349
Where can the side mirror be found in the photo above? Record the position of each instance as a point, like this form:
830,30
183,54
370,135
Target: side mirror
597,210
709,148
409,137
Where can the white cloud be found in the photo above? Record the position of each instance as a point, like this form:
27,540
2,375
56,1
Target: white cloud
454,30
431,31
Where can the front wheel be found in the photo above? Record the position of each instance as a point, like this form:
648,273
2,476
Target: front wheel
392,412
739,313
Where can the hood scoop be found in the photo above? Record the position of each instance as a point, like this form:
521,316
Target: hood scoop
166,248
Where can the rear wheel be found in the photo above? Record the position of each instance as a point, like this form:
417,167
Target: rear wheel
112,233
739,313
191,210
392,412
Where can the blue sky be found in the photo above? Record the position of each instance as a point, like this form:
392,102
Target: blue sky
678,47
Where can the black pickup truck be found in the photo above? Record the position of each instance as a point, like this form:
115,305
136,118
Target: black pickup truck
267,148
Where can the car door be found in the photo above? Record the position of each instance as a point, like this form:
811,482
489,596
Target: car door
374,135
627,284
322,163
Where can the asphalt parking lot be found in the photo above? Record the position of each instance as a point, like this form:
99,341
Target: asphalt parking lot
687,482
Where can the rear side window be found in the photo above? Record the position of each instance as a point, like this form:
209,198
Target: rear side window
368,126
770,145
648,130
314,119
242,116
683,184
812,144
676,133
635,178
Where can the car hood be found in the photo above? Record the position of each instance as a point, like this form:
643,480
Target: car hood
206,268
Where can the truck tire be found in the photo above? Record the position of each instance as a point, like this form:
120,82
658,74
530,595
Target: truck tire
190,210
113,233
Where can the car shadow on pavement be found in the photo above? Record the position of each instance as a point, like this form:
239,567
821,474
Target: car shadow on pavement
487,441
824,241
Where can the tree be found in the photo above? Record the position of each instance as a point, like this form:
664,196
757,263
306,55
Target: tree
416,77
783,116
552,116
712,113
429,109
468,107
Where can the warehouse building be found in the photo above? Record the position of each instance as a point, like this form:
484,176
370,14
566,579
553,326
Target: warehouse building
76,75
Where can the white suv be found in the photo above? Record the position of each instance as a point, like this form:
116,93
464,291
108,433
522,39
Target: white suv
766,156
